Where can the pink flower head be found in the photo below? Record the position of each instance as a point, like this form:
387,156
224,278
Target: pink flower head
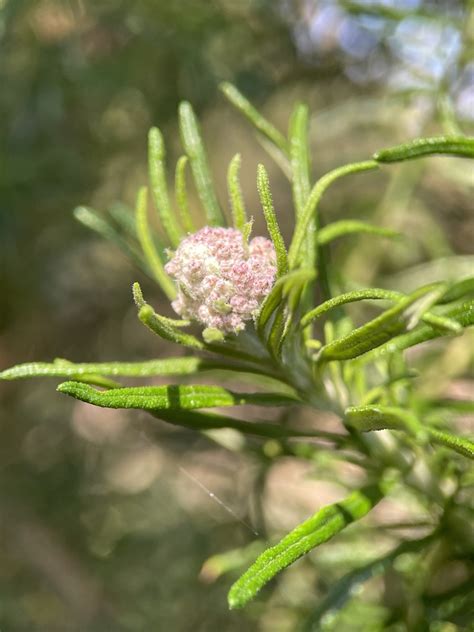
222,281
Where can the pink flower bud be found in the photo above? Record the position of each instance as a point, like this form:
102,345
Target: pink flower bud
221,281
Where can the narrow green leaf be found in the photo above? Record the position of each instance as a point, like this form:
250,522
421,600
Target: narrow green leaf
172,397
194,147
93,220
181,195
350,297
275,336
253,115
138,295
124,217
349,227
458,290
462,314
282,287
311,207
461,445
299,156
247,231
146,241
160,326
159,188
63,368
318,529
239,214
300,176
453,145
369,418
445,325
418,310
377,331
263,186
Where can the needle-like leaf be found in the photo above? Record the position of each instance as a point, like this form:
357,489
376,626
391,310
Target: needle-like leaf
253,115
462,146
179,397
263,186
64,368
194,147
461,314
310,210
350,297
181,194
350,227
146,241
159,188
377,331
369,418
94,221
283,286
239,215
324,525
161,325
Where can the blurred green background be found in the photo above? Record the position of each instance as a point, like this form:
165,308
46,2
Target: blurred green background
105,521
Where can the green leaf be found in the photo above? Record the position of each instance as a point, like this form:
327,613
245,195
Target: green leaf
63,368
94,221
146,241
349,297
443,324
318,529
461,445
453,145
458,290
172,397
377,331
253,115
124,217
275,336
311,206
461,314
263,186
239,215
161,325
446,325
369,418
159,188
194,147
349,227
181,195
299,156
282,287
300,175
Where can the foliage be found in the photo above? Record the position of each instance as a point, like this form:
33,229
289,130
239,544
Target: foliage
359,373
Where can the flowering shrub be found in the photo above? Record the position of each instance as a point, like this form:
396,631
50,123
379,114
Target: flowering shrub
404,440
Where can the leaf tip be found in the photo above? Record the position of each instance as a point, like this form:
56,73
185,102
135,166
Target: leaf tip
65,387
234,598
138,295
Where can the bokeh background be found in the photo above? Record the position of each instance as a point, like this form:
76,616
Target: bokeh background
106,520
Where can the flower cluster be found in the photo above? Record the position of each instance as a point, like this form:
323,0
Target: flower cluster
221,280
